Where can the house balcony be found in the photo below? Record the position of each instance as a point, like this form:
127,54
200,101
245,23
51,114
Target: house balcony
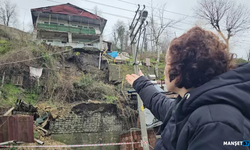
62,28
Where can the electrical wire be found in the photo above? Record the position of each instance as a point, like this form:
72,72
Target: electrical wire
159,8
119,16
119,8
35,58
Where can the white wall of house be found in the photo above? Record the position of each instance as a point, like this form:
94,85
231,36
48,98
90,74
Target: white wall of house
57,42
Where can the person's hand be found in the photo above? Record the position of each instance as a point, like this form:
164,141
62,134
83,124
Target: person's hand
131,78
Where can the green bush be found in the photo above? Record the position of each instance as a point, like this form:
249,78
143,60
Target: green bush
9,94
5,46
36,135
85,81
96,90
31,98
111,99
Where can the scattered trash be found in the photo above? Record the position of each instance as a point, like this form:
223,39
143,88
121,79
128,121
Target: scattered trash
9,112
42,119
36,72
43,131
24,107
39,142
8,142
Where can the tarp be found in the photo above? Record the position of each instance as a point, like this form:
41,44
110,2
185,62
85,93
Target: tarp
36,72
113,54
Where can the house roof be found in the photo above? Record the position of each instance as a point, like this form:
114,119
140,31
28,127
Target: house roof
67,9
69,12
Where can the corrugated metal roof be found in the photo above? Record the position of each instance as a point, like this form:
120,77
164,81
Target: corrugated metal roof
17,128
67,9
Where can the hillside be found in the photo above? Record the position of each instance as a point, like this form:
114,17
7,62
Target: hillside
70,79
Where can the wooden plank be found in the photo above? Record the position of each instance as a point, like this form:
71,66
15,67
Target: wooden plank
9,112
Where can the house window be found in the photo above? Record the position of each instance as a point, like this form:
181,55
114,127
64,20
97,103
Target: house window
61,24
86,27
46,22
50,40
80,26
91,27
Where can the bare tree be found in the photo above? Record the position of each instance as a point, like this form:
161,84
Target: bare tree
8,12
119,31
97,11
165,42
126,39
224,15
157,27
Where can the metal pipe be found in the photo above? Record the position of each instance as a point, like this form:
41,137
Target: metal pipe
100,58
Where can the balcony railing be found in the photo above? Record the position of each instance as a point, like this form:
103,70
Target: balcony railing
62,28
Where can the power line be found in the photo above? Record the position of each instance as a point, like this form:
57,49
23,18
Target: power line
92,10
119,8
35,58
161,9
119,16
32,58
109,6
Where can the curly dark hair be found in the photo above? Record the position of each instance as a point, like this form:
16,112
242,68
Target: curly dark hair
196,57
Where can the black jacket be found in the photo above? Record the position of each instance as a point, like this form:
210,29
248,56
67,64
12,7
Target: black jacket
206,117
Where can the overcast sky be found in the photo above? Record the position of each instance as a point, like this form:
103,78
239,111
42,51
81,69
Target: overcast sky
175,9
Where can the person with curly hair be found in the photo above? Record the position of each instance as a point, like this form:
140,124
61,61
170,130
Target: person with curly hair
213,106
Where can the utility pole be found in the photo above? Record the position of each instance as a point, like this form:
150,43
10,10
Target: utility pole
142,17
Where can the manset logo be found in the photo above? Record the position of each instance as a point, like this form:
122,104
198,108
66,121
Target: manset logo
237,143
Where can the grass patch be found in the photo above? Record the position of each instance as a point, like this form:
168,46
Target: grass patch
90,88
31,98
10,93
5,46
36,135
111,99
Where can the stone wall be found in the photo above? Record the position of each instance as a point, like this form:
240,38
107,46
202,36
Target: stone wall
97,122
90,118
89,138
90,123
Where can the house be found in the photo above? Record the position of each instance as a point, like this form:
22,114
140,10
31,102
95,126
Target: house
107,46
68,25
